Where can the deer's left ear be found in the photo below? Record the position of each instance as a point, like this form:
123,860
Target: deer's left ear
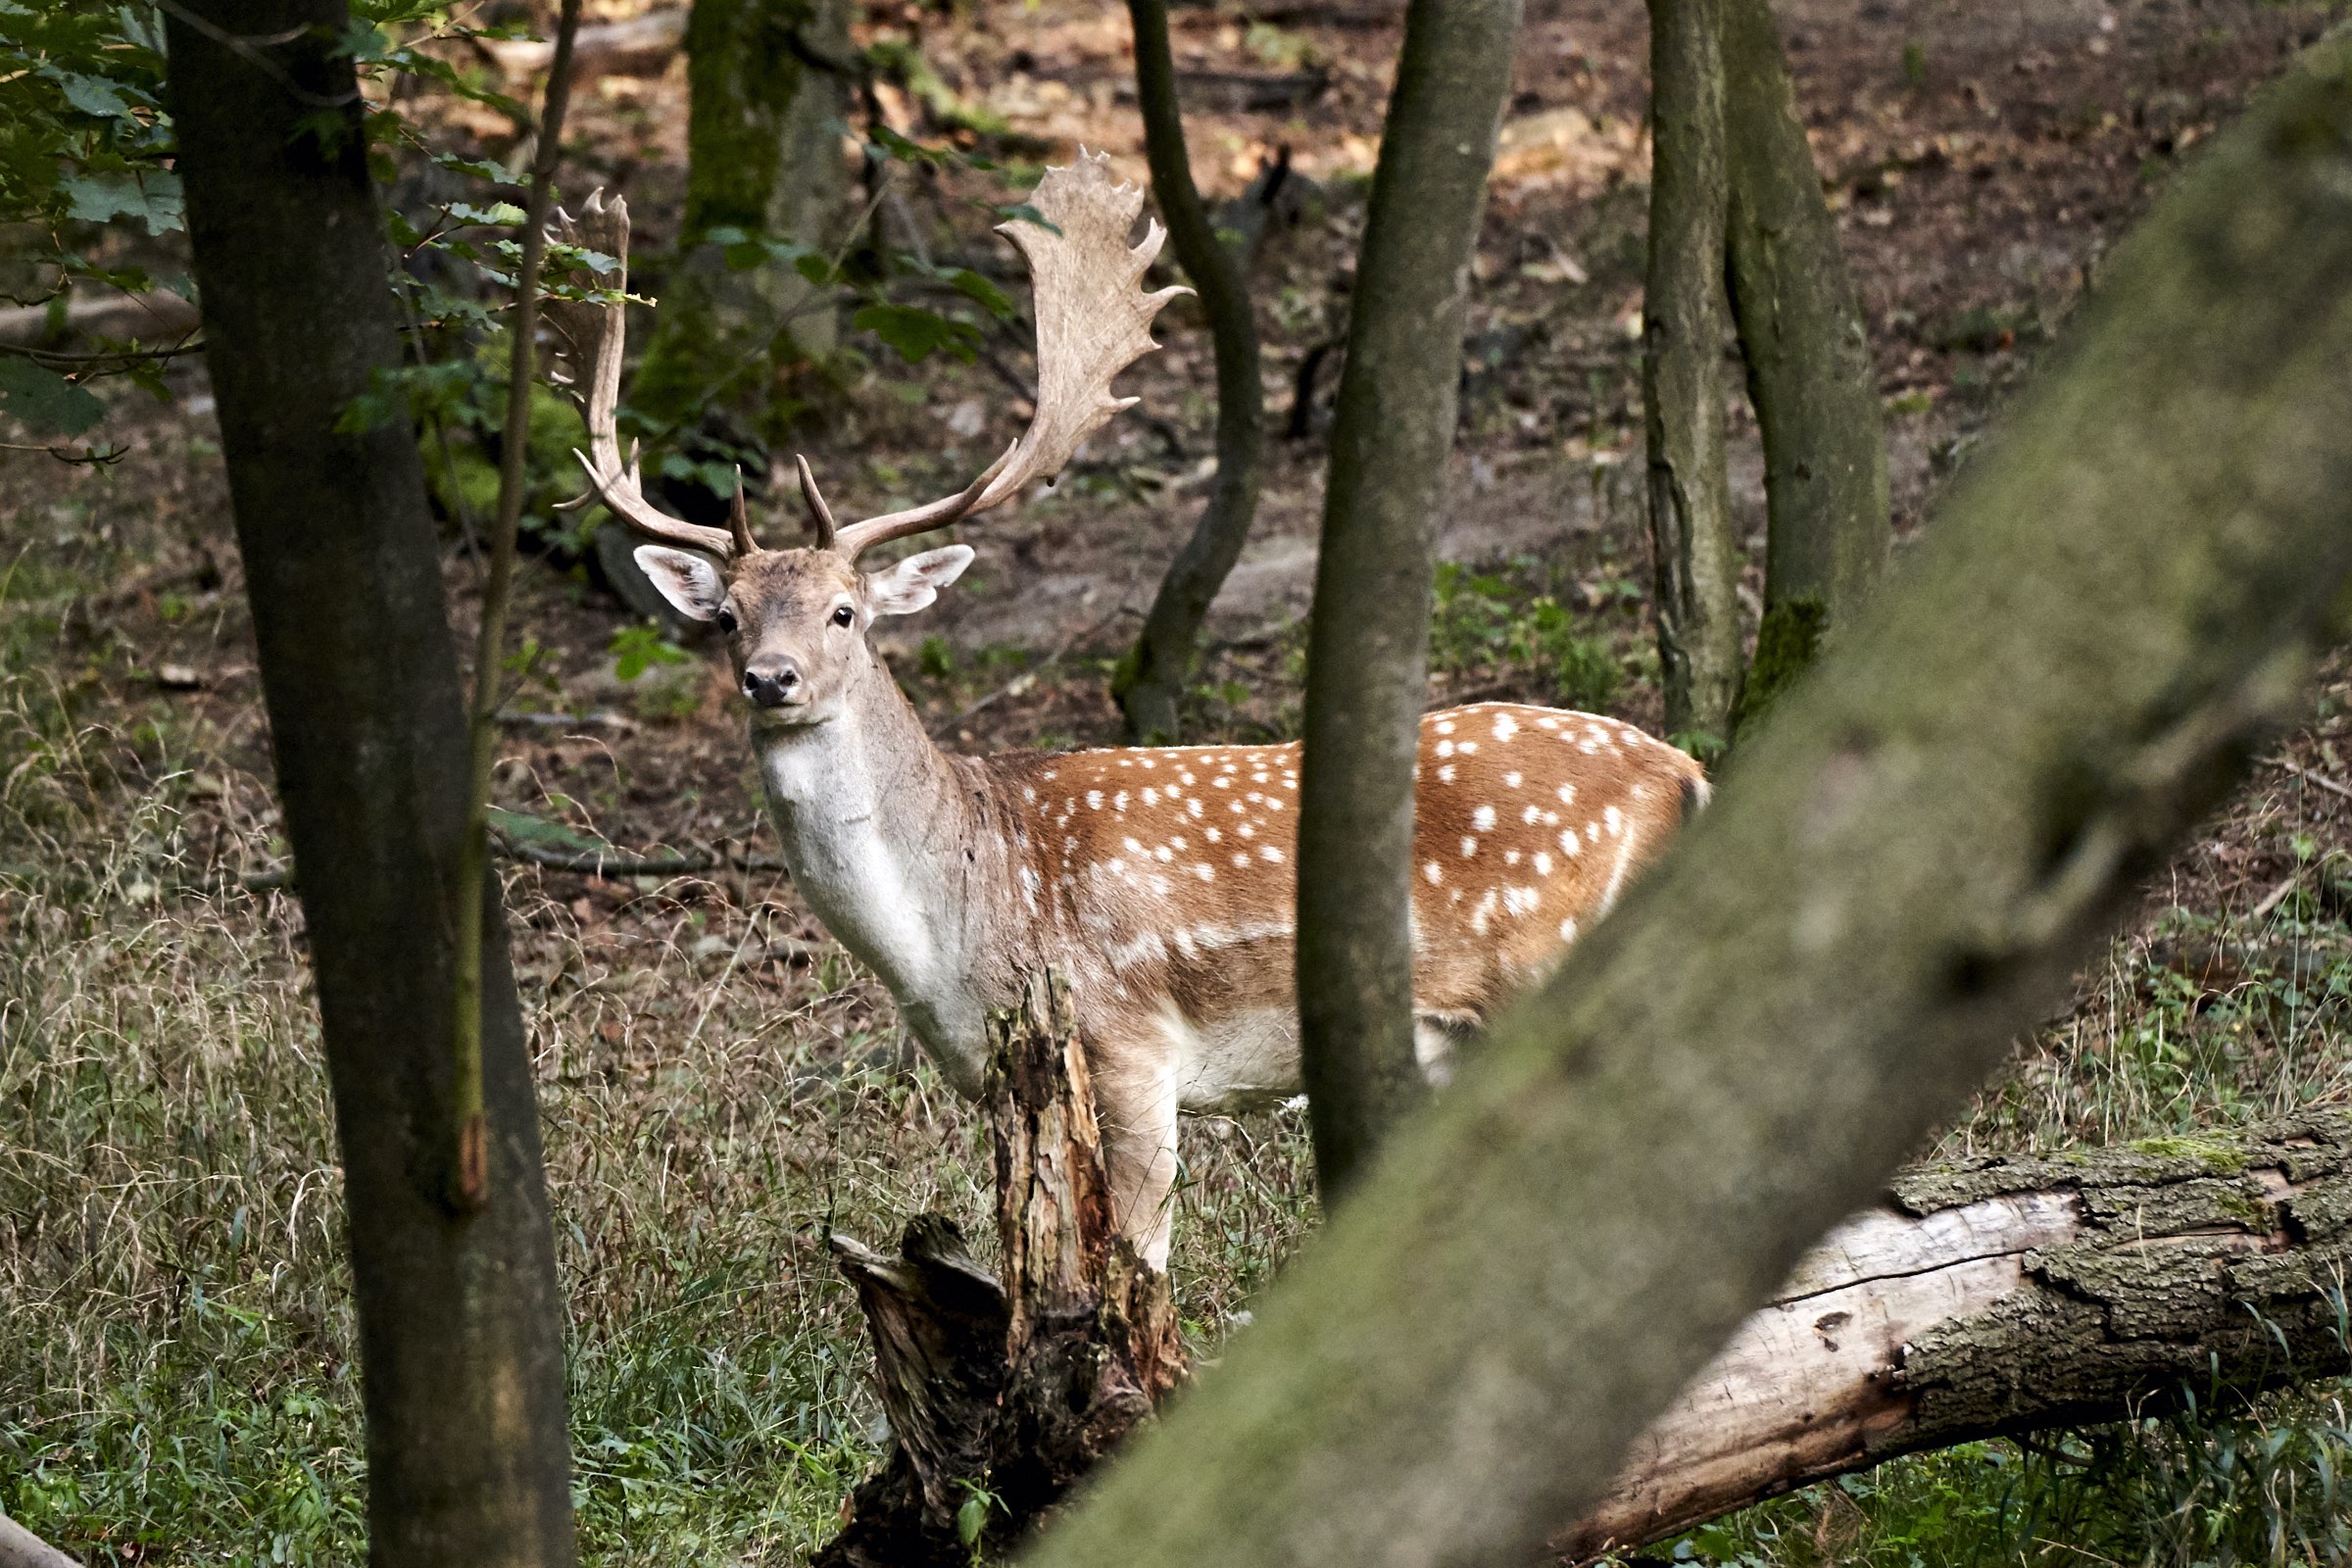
912,584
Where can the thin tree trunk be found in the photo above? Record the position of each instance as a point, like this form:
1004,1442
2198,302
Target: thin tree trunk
2119,606
1685,316
767,93
1368,646
1149,683
1809,369
2002,1297
459,1319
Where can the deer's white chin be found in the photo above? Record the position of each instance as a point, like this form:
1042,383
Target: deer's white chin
792,720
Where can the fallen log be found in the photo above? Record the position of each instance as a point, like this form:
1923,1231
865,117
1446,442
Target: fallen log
1001,1395
20,1547
2003,1295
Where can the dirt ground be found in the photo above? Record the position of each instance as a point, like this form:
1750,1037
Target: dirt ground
1980,160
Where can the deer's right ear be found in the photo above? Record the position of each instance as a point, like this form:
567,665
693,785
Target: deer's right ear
691,584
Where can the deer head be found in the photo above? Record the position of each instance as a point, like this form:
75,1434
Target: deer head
796,619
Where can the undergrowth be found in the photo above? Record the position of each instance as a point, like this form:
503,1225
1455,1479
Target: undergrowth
718,1093
720,1088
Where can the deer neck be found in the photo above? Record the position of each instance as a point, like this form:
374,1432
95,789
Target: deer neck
886,838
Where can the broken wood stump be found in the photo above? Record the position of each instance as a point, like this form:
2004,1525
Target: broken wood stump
1001,1393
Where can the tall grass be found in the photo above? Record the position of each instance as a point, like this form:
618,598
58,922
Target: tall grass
177,1382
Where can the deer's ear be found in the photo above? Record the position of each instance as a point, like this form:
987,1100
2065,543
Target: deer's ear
690,583
912,584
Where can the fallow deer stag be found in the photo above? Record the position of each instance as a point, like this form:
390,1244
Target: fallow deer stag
1159,879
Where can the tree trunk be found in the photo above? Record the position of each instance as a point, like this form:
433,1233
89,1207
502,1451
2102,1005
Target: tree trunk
1002,1395
1368,644
1809,369
1683,316
460,1319
1940,823
1149,684
768,92
2008,1295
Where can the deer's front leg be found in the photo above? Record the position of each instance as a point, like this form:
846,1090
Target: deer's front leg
1135,1106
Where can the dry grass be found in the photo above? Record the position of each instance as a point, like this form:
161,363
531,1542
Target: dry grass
719,1089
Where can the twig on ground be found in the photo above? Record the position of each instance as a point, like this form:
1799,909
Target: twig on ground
2331,786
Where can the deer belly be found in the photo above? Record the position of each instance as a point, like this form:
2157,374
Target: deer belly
1238,1058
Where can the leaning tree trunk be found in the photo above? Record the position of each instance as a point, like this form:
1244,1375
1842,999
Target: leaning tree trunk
767,92
1368,645
1683,316
1809,369
20,1547
1000,1396
2006,1296
2118,607
1149,683
460,1316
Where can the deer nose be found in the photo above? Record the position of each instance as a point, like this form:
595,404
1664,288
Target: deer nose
772,682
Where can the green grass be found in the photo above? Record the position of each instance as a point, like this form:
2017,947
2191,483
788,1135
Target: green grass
175,1374
177,1382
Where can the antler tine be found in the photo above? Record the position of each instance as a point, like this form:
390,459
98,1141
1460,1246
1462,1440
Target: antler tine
1092,324
820,516
860,537
739,518
593,332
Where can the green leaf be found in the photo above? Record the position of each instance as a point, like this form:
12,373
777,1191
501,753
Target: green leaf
44,401
92,95
917,333
500,212
152,198
1027,214
972,1519
637,649
983,293
520,827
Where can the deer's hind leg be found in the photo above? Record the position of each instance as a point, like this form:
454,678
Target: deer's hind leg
1135,1106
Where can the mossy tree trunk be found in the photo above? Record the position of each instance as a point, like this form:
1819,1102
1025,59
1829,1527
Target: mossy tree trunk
768,92
1149,684
460,1315
1685,318
1809,369
2001,1296
2118,609
1368,644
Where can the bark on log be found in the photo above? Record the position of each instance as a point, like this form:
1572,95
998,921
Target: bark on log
1008,1392
20,1547
2006,1296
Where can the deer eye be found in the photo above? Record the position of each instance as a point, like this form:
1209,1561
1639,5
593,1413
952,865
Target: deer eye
843,615
726,620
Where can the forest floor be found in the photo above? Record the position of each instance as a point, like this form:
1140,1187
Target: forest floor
721,1084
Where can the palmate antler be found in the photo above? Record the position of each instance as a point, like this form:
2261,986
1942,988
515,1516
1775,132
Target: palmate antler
1091,322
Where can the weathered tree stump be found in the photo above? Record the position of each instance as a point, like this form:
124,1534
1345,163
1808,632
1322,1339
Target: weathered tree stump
1008,1392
